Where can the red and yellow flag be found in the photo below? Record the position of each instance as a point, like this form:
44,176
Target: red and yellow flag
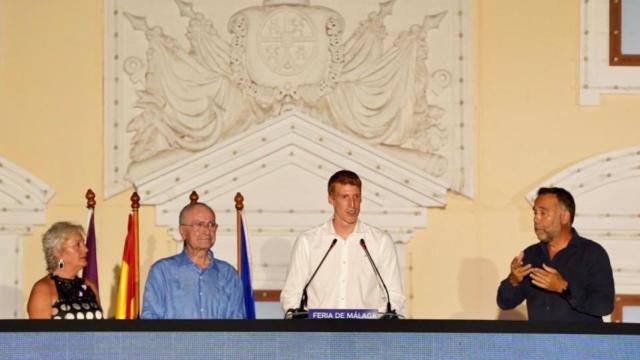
128,301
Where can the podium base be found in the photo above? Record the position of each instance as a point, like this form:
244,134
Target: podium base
296,314
390,316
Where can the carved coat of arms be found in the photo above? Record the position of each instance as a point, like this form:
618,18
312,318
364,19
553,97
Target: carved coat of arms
286,55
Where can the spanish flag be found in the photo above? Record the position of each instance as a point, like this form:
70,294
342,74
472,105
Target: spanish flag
128,302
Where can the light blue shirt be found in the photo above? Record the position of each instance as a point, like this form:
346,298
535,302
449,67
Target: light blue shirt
178,289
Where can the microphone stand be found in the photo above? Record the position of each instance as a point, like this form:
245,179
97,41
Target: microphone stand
300,312
390,313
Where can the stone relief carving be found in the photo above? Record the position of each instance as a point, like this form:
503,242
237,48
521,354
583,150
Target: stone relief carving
280,56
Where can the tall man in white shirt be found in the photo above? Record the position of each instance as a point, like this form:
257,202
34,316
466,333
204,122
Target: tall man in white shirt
346,279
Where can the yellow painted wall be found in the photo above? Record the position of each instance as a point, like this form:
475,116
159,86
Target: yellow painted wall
51,125
528,127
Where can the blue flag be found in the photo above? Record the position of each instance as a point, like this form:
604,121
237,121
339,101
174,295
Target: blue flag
245,274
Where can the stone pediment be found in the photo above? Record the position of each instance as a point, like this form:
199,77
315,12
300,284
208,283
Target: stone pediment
23,198
293,141
282,168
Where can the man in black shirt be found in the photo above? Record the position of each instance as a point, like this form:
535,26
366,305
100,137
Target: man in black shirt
564,277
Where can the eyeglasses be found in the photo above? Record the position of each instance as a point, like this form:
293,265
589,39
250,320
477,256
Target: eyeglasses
201,225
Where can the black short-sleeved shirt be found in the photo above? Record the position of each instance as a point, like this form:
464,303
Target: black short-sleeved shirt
584,264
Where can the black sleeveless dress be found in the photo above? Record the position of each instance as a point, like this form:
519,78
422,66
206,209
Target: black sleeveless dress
76,300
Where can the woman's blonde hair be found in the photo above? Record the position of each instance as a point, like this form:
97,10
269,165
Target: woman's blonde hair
53,239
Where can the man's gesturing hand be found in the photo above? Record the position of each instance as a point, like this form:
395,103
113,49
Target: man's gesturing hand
518,271
548,278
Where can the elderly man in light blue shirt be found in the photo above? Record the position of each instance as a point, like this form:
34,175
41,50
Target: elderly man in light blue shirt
194,284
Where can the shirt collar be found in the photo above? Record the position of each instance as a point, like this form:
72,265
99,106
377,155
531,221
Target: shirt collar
356,230
575,241
183,259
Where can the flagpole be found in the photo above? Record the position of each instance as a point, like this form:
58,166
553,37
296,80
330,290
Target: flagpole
193,197
239,199
90,271
244,269
135,205
91,199
91,204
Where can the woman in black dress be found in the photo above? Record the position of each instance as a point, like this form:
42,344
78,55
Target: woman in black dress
61,294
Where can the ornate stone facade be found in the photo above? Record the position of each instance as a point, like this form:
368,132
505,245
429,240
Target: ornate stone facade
408,97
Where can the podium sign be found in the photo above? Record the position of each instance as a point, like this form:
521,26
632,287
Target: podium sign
343,314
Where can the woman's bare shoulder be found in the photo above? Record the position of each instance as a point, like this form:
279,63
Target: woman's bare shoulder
44,284
43,295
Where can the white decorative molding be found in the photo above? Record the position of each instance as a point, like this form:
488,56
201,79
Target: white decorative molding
596,76
282,168
605,188
23,198
169,96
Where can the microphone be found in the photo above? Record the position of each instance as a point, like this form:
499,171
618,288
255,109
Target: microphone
300,313
389,314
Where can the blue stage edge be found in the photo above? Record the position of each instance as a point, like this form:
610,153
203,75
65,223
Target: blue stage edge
316,339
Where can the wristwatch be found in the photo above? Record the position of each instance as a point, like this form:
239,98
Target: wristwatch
565,292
